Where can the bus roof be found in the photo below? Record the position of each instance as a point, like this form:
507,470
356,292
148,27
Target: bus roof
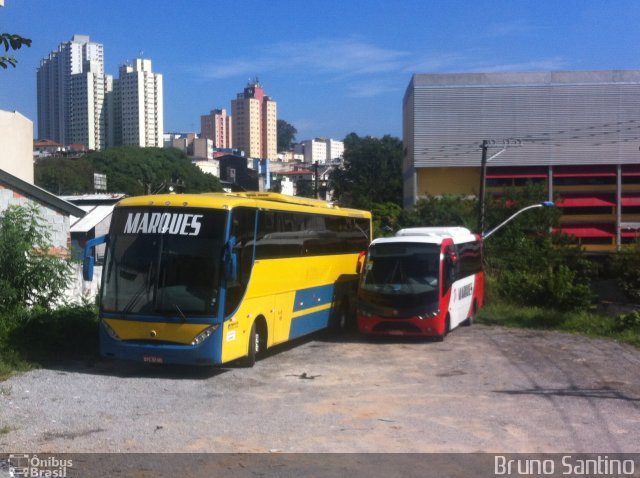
251,199
430,235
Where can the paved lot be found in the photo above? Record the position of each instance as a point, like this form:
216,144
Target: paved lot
484,389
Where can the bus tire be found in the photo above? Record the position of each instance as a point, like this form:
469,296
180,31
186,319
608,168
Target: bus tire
447,329
472,316
254,344
341,319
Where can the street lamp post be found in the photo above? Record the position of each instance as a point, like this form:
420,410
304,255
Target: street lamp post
517,213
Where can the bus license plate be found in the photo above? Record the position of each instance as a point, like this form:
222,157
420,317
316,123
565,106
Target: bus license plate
152,359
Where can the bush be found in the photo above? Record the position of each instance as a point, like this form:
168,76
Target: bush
29,274
630,321
554,288
626,267
68,332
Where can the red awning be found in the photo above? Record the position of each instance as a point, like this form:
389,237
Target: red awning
583,171
590,201
630,201
586,231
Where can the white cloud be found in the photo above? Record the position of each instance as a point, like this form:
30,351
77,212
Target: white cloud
324,56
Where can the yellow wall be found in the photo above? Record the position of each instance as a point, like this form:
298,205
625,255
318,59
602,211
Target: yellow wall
439,181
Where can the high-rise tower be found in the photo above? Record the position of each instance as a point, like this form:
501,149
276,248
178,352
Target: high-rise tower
138,109
73,93
255,122
216,126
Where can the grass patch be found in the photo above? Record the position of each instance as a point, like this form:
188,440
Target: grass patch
624,328
6,430
35,338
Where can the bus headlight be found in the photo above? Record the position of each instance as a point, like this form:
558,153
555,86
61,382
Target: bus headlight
204,335
428,315
112,333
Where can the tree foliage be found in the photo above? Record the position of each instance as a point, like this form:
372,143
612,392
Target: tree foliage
533,265
64,176
626,266
130,170
372,172
11,42
29,274
286,135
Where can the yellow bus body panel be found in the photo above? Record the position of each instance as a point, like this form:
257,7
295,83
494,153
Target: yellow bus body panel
272,292
162,331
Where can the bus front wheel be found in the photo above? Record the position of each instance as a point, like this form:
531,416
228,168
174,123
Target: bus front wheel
472,315
447,328
254,347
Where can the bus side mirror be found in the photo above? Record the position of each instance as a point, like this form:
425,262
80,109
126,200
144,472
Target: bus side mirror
89,261
361,257
87,268
230,261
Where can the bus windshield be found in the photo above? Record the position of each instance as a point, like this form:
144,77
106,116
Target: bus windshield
408,271
163,262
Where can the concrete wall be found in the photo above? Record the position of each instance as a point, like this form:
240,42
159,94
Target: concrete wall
16,145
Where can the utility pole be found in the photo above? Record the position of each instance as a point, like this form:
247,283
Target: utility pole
315,168
483,175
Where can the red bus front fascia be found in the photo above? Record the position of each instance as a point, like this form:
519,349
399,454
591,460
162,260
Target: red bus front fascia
415,325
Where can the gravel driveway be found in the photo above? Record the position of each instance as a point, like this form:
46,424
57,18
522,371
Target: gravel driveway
487,389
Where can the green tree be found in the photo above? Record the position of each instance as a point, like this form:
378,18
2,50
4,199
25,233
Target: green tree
29,274
130,170
447,210
286,135
64,176
11,42
372,172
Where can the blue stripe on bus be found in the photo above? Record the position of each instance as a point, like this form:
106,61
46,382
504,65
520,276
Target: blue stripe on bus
313,297
305,324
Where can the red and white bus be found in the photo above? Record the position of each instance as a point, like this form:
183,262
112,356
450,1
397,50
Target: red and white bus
424,281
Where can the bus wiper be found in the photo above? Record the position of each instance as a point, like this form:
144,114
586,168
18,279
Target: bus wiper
134,300
184,317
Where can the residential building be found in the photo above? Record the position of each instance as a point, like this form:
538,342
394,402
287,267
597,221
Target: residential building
217,126
320,150
576,132
72,94
255,122
138,106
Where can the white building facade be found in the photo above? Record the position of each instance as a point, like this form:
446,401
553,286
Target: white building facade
320,150
138,106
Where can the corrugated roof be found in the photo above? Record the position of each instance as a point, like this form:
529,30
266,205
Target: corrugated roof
94,217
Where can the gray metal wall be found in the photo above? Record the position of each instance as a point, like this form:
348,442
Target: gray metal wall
557,118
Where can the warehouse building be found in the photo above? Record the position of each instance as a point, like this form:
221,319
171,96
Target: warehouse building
578,132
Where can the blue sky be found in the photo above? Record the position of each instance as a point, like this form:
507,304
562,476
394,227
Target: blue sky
334,67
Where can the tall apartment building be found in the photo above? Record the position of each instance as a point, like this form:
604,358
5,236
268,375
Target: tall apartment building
217,126
321,150
73,94
255,123
138,107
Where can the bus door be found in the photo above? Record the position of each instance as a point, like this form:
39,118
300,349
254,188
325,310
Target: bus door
461,287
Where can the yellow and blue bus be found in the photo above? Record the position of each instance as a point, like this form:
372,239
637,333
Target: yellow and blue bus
210,278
